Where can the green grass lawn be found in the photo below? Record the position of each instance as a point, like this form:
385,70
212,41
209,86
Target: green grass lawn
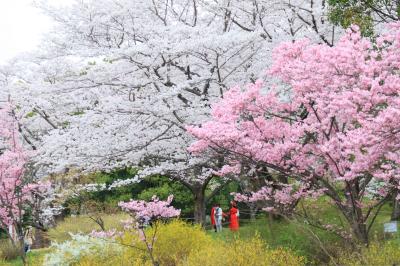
281,233
34,258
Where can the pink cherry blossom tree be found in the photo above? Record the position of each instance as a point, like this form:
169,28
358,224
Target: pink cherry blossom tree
18,194
329,121
143,213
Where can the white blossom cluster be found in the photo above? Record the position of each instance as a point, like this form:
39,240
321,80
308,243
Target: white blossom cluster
96,187
123,182
47,207
376,189
69,252
48,213
91,188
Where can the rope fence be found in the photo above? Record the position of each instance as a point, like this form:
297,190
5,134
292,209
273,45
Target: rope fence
209,226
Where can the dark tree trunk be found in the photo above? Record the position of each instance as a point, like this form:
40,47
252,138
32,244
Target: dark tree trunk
20,244
22,249
253,211
356,221
270,220
360,231
396,209
41,240
354,212
199,190
199,206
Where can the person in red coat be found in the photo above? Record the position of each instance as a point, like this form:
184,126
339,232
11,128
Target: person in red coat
213,218
234,217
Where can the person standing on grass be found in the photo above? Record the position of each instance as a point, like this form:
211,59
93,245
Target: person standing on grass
234,217
28,239
213,217
218,217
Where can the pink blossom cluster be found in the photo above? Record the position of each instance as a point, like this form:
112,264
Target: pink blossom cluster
106,234
337,230
11,170
276,199
283,195
15,191
144,211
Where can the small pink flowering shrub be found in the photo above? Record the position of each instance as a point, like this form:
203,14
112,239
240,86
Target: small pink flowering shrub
143,213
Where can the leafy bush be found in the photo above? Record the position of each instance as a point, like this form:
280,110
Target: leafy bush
243,252
162,186
3,234
107,200
7,250
177,240
376,254
178,243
